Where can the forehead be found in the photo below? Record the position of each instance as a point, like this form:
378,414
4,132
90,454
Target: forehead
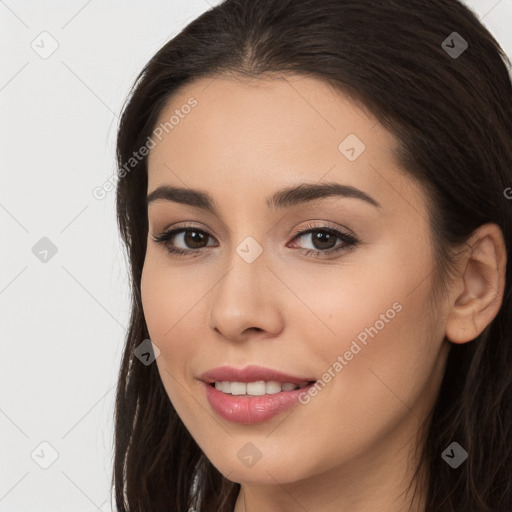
262,134
259,116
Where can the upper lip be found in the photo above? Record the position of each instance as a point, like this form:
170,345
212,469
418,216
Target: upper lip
251,373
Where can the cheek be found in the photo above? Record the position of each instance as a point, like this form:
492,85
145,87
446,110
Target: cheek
378,299
339,304
363,330
377,374
168,301
168,298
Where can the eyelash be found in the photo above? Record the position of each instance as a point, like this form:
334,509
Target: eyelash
349,241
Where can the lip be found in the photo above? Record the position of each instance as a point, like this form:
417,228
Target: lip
251,410
250,373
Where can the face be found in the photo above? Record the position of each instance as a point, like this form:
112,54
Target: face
331,287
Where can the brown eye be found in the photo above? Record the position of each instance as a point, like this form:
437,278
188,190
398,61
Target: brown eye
324,240
194,239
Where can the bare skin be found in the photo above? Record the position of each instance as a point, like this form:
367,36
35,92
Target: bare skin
353,445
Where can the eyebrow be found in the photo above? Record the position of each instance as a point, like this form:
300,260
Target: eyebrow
284,198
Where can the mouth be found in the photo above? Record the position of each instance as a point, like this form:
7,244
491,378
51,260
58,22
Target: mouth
253,394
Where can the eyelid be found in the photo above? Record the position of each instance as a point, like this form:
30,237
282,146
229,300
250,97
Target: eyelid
184,225
302,230
324,225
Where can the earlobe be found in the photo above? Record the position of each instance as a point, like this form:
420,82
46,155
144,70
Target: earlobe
482,281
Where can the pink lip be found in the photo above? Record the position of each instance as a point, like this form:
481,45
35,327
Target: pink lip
251,373
251,410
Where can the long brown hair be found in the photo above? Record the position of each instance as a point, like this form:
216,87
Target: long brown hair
451,113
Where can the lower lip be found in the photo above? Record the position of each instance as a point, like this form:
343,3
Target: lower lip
251,410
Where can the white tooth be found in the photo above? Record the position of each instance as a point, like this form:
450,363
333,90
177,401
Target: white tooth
272,387
256,388
238,388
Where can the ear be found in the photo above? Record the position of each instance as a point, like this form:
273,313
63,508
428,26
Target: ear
478,297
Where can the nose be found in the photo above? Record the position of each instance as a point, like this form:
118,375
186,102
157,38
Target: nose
247,300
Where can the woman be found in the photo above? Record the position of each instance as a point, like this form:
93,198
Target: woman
313,197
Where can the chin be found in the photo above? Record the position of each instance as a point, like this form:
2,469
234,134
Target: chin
263,472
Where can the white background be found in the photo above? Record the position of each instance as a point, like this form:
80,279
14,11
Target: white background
63,322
